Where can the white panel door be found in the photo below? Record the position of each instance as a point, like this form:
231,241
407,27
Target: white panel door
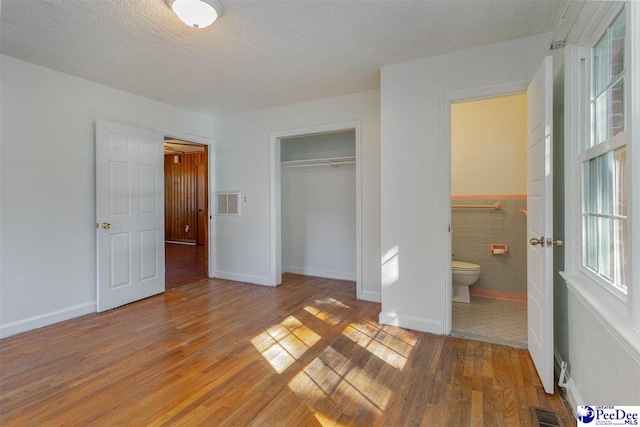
129,213
540,222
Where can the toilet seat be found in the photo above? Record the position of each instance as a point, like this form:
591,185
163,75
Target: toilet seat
462,266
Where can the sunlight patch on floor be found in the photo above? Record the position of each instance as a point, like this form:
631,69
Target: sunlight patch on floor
373,337
323,315
325,421
333,376
331,302
283,344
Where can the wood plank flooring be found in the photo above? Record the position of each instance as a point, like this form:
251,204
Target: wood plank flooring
184,264
221,353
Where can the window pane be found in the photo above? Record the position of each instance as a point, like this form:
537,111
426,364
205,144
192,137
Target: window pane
620,182
600,65
607,98
620,253
605,249
604,184
605,198
616,109
591,242
600,119
591,190
616,37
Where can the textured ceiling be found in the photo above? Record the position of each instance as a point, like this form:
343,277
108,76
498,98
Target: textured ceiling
260,53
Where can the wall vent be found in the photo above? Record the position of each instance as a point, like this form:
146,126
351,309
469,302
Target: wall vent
228,203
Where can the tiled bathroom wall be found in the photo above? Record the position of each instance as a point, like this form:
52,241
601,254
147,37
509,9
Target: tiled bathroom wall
473,232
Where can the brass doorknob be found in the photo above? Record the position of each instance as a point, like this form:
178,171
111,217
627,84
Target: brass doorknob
558,242
534,241
105,225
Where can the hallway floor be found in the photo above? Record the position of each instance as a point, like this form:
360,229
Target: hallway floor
491,320
184,264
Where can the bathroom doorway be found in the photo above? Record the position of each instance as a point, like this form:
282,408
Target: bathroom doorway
488,219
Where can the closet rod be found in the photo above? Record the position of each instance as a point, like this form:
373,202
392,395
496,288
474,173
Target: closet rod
494,206
318,164
335,161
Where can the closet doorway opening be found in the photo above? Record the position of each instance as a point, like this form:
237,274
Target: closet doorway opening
186,192
316,208
488,219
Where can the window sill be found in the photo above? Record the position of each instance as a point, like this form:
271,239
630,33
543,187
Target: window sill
610,311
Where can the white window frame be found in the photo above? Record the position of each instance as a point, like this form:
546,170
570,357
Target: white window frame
588,152
619,311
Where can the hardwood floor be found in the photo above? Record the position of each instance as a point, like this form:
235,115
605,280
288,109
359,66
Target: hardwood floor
225,353
184,264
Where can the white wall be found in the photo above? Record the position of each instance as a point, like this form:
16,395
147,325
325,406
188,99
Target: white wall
242,163
319,221
414,187
602,367
47,247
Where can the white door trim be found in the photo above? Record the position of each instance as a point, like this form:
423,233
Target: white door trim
169,133
275,196
447,99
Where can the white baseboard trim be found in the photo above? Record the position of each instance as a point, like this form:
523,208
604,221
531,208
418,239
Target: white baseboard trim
320,273
573,397
410,322
46,319
246,278
370,296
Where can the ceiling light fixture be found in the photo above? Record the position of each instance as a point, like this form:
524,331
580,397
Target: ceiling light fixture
196,13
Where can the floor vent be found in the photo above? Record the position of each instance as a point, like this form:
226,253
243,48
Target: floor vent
544,418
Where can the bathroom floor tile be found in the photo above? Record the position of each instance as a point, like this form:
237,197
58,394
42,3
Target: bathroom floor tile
491,320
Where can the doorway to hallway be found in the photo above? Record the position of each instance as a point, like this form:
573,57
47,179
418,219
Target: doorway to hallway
186,212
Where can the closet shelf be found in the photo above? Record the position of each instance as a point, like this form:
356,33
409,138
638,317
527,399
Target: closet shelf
329,161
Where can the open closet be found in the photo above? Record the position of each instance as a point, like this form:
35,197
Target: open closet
318,211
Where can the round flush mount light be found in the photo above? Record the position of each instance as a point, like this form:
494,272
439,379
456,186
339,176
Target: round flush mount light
196,13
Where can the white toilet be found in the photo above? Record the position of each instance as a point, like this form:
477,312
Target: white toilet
464,275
